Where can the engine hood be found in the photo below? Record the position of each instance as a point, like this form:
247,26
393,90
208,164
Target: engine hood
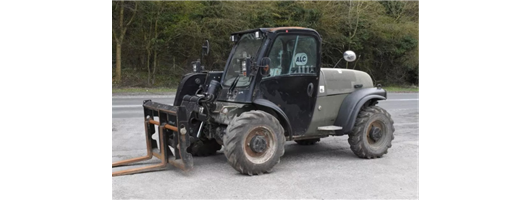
335,81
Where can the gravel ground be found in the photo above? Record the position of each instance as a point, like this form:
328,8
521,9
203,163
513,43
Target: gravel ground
327,170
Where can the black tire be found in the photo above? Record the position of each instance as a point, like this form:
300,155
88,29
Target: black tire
204,147
243,130
373,133
307,141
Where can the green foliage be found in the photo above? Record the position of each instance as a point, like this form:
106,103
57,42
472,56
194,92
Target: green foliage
385,36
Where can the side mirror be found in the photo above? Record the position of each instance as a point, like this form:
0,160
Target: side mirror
264,66
206,48
265,62
349,56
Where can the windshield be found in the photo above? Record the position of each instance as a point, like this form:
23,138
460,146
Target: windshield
247,47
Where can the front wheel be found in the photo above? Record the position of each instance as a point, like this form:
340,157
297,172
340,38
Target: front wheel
373,133
254,142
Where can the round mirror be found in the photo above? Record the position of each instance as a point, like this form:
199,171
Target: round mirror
349,56
265,62
264,66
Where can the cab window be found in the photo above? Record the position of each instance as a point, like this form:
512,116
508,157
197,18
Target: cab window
293,54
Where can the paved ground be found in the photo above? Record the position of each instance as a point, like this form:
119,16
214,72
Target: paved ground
328,170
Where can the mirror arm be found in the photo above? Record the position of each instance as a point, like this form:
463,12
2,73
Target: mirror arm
337,62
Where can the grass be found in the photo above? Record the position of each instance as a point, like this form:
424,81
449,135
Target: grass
139,90
402,89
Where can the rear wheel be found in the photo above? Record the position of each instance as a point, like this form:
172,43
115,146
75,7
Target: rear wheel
307,141
204,147
373,133
254,142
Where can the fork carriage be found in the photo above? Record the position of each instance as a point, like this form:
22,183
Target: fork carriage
169,134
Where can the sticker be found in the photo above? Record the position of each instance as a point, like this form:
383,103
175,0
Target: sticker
301,59
321,89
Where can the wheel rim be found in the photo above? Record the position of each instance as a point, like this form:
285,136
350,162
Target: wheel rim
376,133
260,145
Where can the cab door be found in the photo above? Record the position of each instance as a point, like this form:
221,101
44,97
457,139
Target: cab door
292,82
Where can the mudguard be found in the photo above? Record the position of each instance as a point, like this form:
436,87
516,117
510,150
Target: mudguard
352,104
284,120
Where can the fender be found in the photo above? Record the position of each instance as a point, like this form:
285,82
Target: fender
188,86
352,104
282,117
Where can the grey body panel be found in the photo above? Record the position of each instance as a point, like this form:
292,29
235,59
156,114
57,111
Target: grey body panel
335,85
335,81
329,108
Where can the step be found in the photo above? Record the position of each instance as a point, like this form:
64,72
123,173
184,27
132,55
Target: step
329,128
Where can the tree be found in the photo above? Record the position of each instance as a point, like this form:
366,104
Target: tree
119,34
162,37
150,13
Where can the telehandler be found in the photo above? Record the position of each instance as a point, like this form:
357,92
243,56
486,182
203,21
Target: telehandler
273,89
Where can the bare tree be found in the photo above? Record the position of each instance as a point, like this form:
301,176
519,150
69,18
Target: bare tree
119,34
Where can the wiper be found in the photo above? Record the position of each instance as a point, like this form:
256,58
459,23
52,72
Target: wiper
233,85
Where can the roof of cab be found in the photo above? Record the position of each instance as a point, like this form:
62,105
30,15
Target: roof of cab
274,29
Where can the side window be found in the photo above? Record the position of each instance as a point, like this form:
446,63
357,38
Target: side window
293,54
